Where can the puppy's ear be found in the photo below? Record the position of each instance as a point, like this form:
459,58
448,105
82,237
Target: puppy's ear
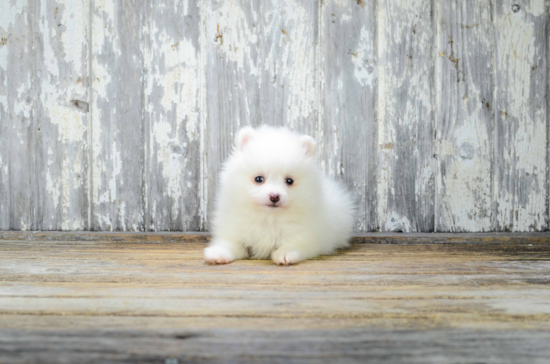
243,136
309,144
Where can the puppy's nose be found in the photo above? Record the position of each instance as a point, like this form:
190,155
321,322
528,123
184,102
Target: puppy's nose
274,198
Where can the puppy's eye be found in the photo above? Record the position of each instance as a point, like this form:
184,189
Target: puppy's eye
259,179
289,181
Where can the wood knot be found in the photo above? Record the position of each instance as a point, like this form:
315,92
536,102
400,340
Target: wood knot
81,105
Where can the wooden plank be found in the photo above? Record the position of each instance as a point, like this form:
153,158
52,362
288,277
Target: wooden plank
521,115
61,115
102,301
464,116
349,66
18,133
104,236
289,346
118,134
287,65
401,306
67,251
405,116
116,291
370,238
390,268
166,325
443,271
261,69
172,115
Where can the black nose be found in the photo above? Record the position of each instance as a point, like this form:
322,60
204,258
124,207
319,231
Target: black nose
274,198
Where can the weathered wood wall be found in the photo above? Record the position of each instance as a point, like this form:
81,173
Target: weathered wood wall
117,115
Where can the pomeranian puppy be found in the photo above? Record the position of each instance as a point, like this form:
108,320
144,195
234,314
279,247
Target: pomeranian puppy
274,201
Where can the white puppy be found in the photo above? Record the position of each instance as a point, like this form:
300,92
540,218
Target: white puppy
274,201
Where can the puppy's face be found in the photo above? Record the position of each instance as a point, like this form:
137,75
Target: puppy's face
273,189
277,167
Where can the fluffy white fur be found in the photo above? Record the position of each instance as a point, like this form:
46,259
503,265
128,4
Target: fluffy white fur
313,216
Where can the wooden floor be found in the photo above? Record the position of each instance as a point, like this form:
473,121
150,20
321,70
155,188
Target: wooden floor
155,301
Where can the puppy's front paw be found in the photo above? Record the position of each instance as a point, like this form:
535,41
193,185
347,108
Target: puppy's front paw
286,257
218,255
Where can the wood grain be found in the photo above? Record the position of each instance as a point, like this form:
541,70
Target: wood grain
288,346
202,237
261,69
117,116
122,301
465,116
18,132
118,133
406,166
521,108
349,65
61,113
172,115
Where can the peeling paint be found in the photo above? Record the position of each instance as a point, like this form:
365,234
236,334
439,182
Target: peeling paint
62,63
69,123
171,162
299,73
397,223
365,69
464,129
405,172
138,143
237,45
173,108
520,177
17,107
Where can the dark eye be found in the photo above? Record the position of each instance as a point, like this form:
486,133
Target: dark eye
259,179
289,181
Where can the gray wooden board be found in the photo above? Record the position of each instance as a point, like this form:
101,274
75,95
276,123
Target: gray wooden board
100,301
405,115
172,115
202,237
18,132
280,346
464,117
520,130
118,116
118,133
261,69
61,114
348,88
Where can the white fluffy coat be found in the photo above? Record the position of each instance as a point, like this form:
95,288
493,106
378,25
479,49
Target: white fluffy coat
313,216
